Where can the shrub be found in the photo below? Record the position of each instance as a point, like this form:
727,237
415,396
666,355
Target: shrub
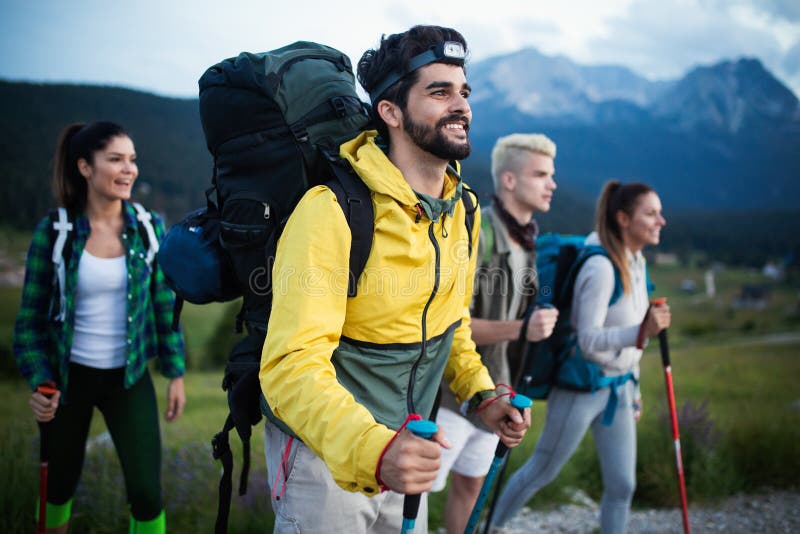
707,468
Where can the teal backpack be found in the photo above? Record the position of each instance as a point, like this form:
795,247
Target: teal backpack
558,360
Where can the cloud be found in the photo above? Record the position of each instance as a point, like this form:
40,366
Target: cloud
787,9
776,9
704,32
791,61
165,46
484,43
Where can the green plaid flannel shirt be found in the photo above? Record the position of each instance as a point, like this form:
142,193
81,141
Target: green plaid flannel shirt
42,346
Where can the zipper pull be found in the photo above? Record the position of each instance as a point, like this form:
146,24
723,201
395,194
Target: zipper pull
266,210
419,212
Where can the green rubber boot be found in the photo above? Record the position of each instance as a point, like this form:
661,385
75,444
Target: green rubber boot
55,514
157,525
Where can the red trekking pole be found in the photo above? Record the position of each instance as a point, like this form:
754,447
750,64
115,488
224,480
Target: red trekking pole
673,414
48,389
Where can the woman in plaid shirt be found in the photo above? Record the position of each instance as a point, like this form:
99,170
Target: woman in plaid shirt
93,339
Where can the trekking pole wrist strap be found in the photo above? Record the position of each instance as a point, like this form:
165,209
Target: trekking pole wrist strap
474,403
383,487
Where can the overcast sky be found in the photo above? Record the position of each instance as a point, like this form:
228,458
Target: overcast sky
164,46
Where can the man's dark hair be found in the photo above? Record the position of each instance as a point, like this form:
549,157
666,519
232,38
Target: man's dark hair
393,55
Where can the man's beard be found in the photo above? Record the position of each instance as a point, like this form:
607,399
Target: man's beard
433,140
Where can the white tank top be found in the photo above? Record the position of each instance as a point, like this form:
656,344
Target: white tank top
100,307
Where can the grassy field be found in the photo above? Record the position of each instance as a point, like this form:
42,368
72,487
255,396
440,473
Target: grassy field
736,387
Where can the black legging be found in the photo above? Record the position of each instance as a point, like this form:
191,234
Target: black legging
131,416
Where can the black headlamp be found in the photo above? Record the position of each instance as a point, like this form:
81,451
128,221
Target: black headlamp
451,50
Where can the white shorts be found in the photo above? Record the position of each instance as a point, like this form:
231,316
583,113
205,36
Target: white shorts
472,451
306,499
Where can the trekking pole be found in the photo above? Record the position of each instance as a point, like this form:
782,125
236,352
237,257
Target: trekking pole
48,389
424,429
673,413
517,384
520,402
500,474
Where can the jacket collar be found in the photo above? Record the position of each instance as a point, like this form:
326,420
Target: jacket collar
502,241
381,176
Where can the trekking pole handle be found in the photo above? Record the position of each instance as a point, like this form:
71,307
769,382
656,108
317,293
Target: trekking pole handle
424,429
523,339
640,336
526,319
48,389
520,402
662,336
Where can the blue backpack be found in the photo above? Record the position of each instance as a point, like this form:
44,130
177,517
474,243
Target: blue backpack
558,360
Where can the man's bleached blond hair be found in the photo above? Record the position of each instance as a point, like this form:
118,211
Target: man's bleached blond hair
509,152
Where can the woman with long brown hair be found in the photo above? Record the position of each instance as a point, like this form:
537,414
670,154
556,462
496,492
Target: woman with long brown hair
608,327
94,309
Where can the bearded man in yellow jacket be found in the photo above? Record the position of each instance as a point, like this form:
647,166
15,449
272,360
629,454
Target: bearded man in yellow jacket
341,375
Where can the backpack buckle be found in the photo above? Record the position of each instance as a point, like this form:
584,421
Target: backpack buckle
299,132
339,106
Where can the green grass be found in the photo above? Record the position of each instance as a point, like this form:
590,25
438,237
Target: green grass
190,474
749,389
208,332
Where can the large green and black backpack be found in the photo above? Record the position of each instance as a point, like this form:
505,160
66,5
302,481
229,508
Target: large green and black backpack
273,122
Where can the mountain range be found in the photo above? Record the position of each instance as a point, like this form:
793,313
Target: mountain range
722,139
725,136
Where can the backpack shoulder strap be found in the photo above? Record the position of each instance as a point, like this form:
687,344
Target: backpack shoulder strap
487,235
586,253
145,223
356,203
648,282
62,228
470,206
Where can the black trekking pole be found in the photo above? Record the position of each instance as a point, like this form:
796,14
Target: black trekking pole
496,494
424,429
517,384
48,389
520,402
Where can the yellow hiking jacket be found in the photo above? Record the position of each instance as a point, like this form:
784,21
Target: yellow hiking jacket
342,374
